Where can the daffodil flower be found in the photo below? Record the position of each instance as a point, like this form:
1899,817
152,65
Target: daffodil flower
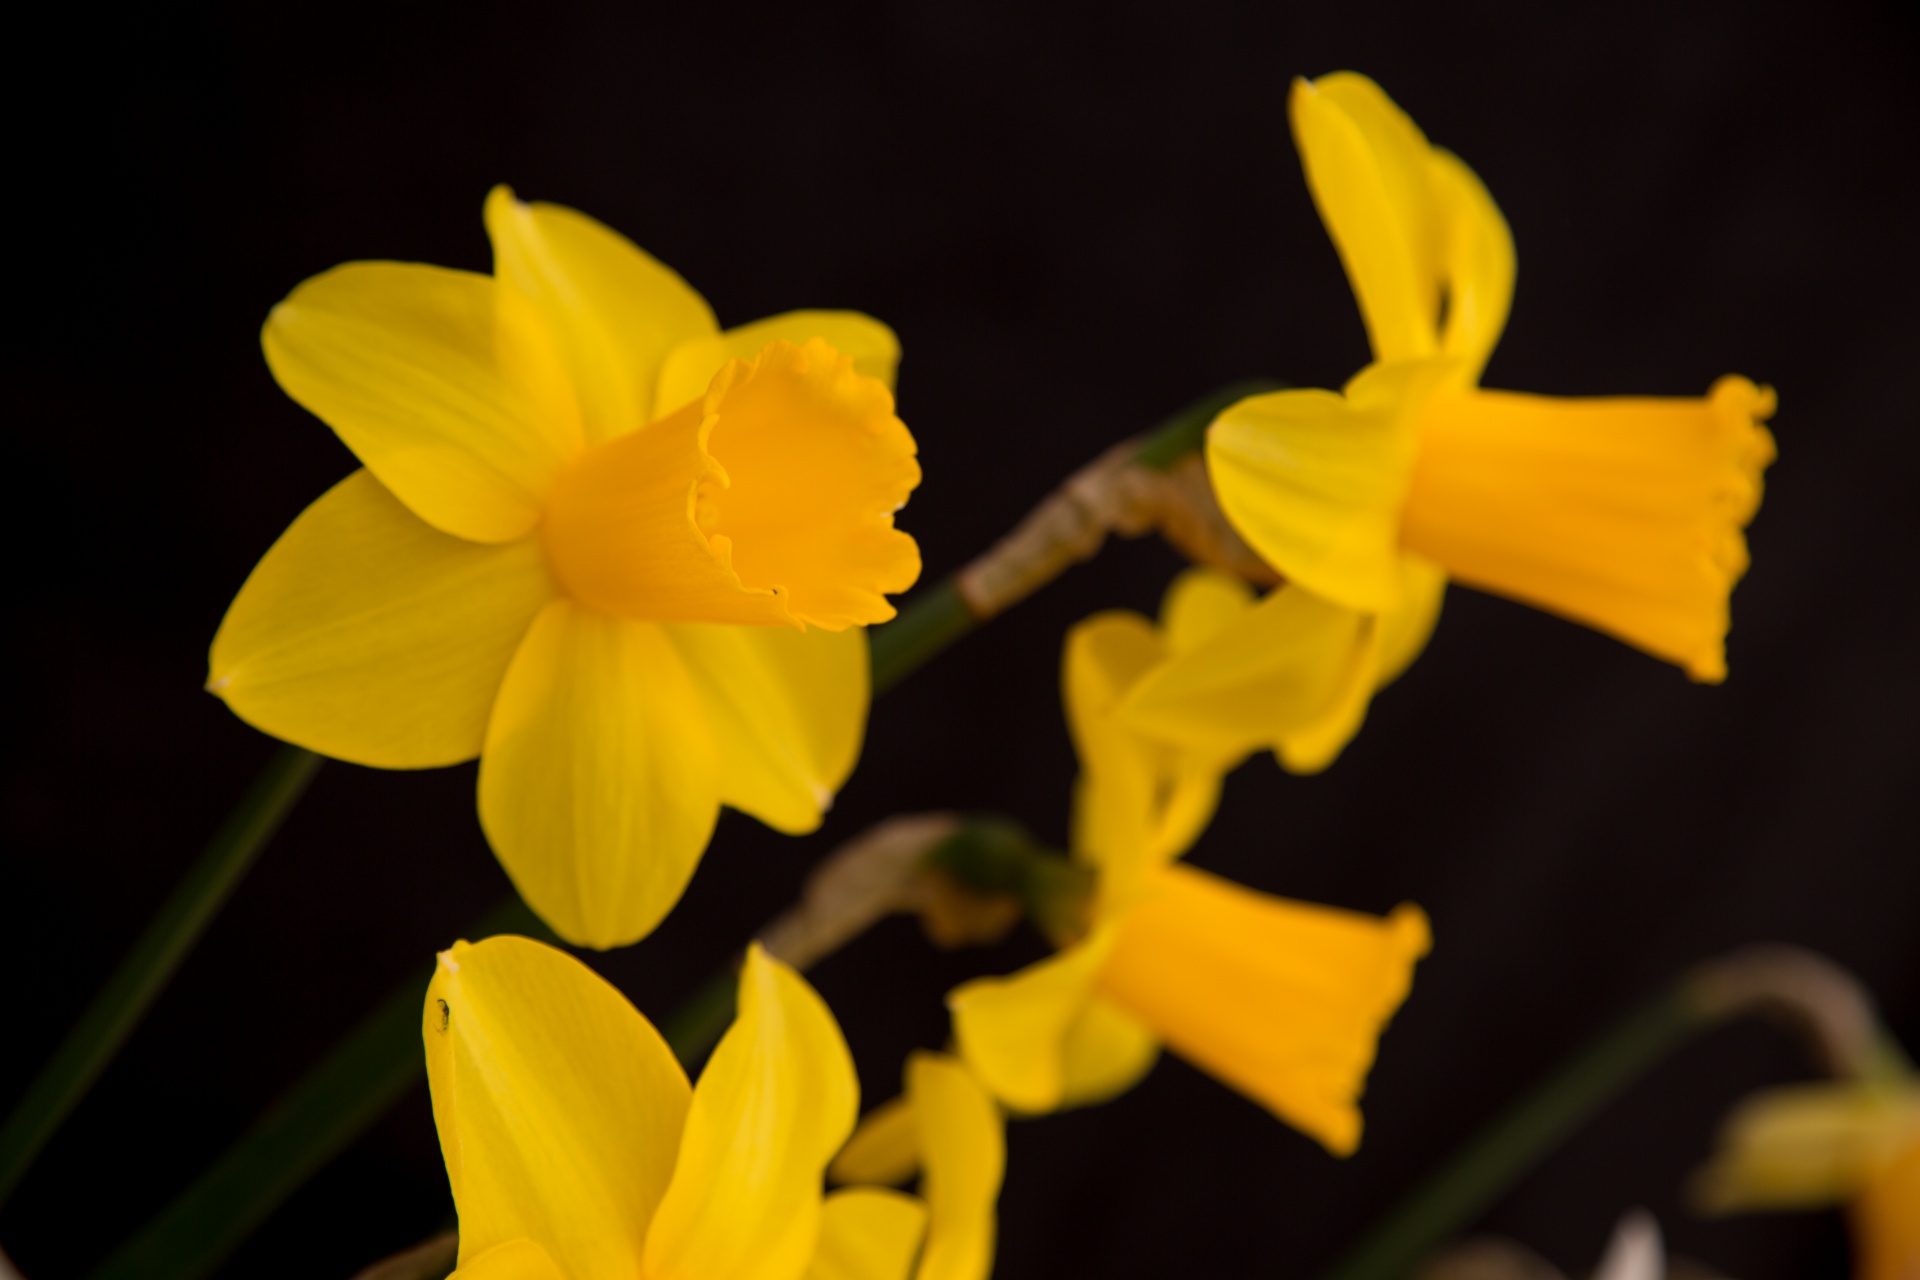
1624,514
619,554
1282,1000
1806,1146
577,1150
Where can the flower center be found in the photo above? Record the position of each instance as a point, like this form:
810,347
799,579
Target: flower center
769,501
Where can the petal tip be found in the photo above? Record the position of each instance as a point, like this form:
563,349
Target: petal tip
1342,1137
1412,929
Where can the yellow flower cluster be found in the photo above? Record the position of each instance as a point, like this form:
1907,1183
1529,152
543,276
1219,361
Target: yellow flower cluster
625,558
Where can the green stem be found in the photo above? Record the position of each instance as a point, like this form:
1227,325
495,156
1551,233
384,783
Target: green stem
1465,1186
926,625
1186,431
143,974
337,1100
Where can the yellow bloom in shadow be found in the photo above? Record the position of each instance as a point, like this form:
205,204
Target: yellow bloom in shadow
1283,1000
621,555
577,1151
1624,514
1812,1145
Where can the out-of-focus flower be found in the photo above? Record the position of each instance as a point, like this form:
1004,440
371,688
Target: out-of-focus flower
1283,1000
947,1128
577,1151
1624,514
1634,1253
621,555
1855,1143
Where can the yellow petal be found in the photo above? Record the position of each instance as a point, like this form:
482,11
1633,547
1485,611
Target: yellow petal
787,709
1201,604
613,312
690,367
1404,631
597,785
1292,673
1282,1000
1366,164
559,1108
367,635
1807,1145
1013,1031
1114,801
868,1234
1386,644
769,502
515,1260
1141,801
1190,793
1623,513
1477,263
1426,249
884,1150
1315,482
406,364
964,1154
1886,1220
775,1102
1106,1052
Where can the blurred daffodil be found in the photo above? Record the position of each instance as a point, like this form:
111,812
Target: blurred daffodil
577,1150
1856,1143
1624,514
618,553
1283,1000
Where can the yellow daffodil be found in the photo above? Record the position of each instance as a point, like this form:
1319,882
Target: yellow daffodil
620,554
1811,1145
577,1150
1283,1000
1624,514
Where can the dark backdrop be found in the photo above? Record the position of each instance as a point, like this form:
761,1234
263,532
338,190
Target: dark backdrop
1077,219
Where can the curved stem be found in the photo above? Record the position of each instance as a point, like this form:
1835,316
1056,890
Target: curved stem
925,627
1186,431
143,974
1462,1188
1067,526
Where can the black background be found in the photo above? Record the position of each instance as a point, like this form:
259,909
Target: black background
1077,219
